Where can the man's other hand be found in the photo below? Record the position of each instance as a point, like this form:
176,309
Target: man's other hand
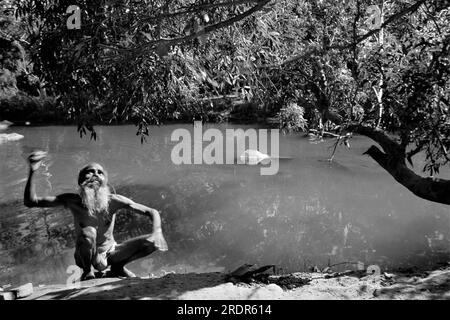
158,239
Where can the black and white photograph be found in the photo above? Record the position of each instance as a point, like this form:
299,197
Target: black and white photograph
225,155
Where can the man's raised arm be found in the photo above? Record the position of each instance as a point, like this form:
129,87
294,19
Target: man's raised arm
30,199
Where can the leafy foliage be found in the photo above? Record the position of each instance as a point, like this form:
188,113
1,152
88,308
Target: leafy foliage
291,118
129,61
310,62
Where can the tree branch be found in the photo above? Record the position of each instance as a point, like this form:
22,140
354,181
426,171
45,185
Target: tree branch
432,189
220,25
393,161
198,8
138,51
360,39
388,143
391,19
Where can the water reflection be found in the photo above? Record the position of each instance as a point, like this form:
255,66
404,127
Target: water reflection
217,217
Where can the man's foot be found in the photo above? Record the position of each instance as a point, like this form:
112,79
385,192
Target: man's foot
100,274
120,272
87,276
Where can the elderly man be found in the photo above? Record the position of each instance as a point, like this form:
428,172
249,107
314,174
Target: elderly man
94,210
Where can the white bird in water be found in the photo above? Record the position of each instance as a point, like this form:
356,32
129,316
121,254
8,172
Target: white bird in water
10,137
5,124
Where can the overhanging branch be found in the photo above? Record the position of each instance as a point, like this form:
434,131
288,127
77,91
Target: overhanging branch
391,19
197,8
360,39
140,50
217,26
388,143
393,161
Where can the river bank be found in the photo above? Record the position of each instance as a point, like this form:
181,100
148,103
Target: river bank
407,285
23,109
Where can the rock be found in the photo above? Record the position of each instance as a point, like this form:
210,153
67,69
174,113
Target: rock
23,291
275,289
4,137
7,295
269,292
290,281
253,157
242,270
249,272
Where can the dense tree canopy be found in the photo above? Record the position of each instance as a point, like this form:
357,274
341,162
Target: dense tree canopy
375,67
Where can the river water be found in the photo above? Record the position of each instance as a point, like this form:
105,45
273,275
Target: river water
217,217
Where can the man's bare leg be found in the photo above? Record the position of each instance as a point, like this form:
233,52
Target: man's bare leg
85,252
127,252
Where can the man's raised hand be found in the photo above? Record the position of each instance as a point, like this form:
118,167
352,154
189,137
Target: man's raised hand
35,159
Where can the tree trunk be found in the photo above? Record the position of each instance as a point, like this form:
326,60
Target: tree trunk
393,160
432,189
379,93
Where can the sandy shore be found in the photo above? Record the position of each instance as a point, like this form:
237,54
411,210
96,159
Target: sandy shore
215,286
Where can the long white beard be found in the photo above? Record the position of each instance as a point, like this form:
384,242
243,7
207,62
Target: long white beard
95,199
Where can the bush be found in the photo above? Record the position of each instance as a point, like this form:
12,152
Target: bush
22,107
291,118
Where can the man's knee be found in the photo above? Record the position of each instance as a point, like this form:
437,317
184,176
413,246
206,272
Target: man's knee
100,262
87,237
147,245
